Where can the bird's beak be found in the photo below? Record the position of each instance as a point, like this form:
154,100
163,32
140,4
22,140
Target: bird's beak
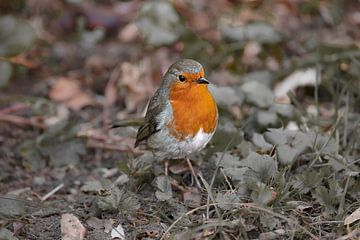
202,81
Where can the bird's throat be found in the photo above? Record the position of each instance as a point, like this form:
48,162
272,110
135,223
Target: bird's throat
193,109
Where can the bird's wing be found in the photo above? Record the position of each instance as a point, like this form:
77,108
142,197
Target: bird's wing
156,106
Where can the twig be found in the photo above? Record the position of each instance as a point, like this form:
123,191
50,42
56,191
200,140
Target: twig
245,205
352,235
110,94
21,121
120,148
214,175
52,192
14,108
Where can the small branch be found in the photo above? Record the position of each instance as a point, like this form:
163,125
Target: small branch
21,121
120,148
110,95
52,192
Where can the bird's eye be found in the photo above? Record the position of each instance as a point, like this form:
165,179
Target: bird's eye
182,78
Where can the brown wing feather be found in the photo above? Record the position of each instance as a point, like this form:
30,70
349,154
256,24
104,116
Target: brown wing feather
149,127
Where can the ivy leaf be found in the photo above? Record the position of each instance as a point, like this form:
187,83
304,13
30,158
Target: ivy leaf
16,36
308,180
262,194
258,94
11,206
226,96
159,23
257,31
328,198
163,186
290,144
5,234
259,141
137,167
228,197
118,200
225,131
33,159
59,144
262,167
231,165
270,222
96,186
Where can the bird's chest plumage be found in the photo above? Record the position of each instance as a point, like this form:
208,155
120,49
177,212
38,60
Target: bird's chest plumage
194,112
187,125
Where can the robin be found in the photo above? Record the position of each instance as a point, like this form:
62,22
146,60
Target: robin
182,115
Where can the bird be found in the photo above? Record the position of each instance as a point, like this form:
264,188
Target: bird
182,115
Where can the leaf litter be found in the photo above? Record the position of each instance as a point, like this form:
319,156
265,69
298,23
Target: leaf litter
290,171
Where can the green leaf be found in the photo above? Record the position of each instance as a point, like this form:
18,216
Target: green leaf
64,153
264,77
290,144
258,94
96,185
262,167
33,160
226,131
323,143
259,141
12,206
230,165
308,180
163,186
257,31
118,200
226,96
253,169
159,23
59,143
283,110
137,167
262,194
270,222
5,73
6,234
16,36
267,118
328,198
227,197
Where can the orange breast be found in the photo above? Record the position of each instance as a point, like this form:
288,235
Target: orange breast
194,108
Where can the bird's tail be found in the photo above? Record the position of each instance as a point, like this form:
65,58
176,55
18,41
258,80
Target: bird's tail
136,122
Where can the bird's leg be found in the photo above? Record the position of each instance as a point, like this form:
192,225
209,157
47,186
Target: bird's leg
193,173
166,167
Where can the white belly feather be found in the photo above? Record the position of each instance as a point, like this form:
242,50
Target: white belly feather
164,145
170,147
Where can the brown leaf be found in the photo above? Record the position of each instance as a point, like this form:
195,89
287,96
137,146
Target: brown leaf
353,217
192,197
71,227
68,91
135,83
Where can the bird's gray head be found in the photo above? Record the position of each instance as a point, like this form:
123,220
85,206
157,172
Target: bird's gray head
185,73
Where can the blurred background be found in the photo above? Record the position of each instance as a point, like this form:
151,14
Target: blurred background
69,68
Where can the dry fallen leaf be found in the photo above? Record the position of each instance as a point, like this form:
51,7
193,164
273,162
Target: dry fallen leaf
71,227
118,232
129,33
135,83
192,197
68,91
297,79
353,217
